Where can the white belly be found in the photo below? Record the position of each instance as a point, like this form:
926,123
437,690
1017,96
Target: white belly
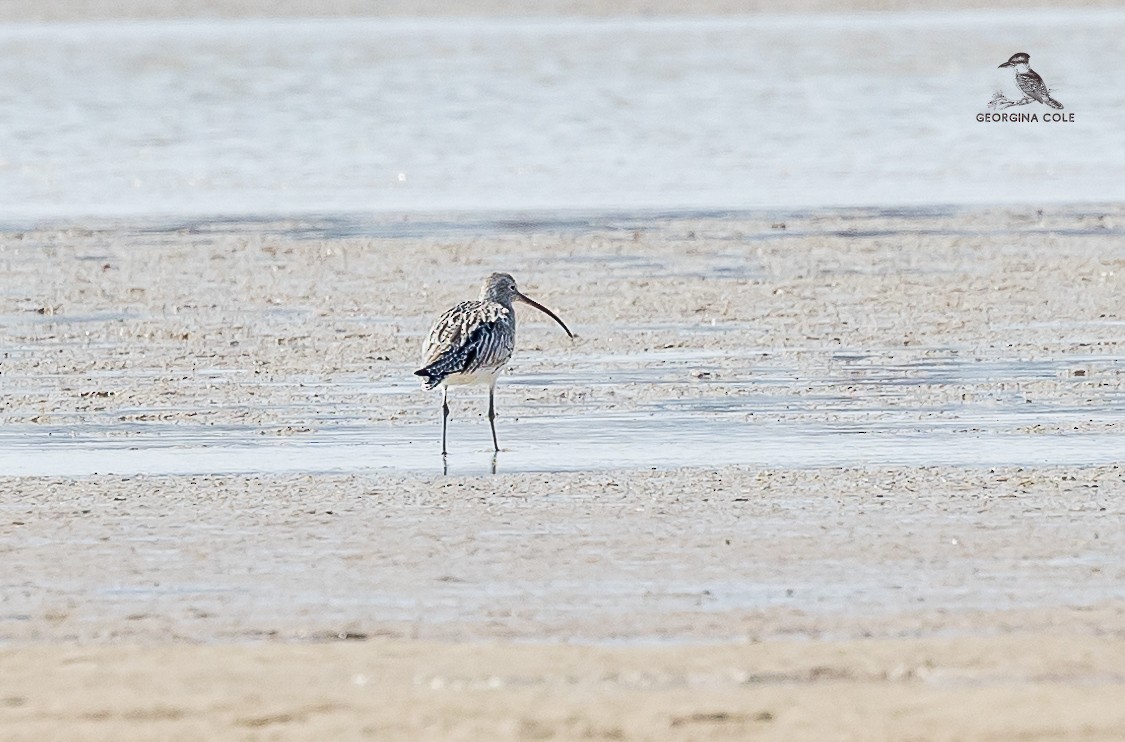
483,376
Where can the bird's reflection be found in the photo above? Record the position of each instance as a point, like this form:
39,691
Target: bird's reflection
491,469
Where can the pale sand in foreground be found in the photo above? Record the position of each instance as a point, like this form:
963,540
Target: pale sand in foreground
1023,687
933,602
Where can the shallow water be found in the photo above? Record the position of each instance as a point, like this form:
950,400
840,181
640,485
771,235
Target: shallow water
573,446
286,117
861,413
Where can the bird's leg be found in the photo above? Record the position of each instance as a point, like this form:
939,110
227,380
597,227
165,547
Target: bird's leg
492,414
444,416
494,455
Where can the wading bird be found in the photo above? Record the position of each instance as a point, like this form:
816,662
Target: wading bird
472,342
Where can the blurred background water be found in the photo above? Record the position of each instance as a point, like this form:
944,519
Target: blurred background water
299,116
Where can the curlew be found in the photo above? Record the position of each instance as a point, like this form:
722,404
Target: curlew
473,341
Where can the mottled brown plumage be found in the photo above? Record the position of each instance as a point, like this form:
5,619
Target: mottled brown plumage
473,341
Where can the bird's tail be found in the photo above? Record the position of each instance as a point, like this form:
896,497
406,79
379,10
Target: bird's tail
430,377
1052,102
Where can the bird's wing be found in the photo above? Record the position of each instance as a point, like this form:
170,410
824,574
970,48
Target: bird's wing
466,337
1032,84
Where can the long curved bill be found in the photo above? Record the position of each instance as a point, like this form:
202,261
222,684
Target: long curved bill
545,311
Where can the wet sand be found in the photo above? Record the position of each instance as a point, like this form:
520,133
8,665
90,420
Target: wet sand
927,601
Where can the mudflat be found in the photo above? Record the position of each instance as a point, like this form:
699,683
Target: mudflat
962,578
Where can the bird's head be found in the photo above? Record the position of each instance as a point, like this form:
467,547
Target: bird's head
501,288
1017,59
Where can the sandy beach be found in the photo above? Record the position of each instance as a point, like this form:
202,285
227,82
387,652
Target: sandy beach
915,600
1010,687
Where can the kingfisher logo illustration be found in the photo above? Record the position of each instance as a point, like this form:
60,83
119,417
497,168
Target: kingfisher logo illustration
1027,80
1026,89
